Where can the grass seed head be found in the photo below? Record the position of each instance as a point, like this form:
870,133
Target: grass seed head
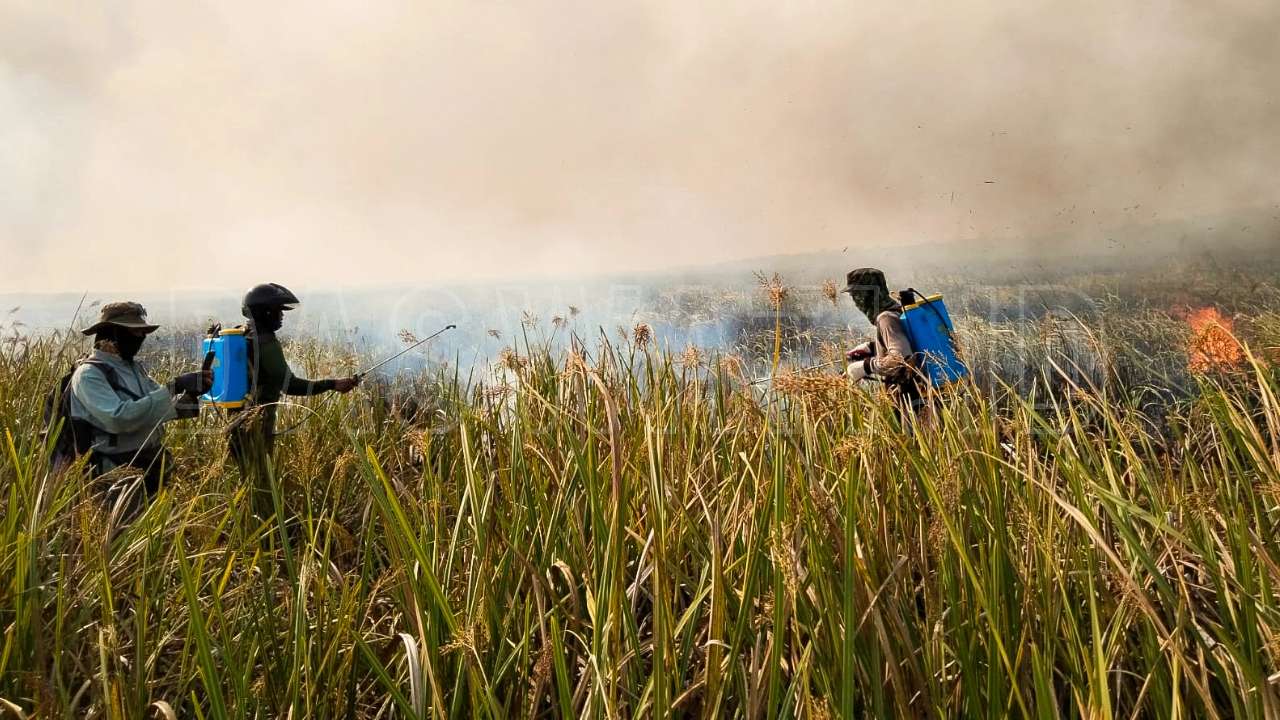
733,366
830,352
497,393
541,673
821,391
575,364
830,292
463,639
775,290
786,559
512,361
691,358
642,334
850,447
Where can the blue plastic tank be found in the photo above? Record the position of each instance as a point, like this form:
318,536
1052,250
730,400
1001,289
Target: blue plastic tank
230,368
932,335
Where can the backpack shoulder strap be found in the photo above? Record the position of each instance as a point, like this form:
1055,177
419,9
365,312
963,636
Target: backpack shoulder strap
251,359
879,333
112,378
915,360
57,402
75,435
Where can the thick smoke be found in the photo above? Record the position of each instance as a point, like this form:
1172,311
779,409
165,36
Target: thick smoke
156,145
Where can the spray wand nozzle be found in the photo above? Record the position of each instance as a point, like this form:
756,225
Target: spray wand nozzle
371,368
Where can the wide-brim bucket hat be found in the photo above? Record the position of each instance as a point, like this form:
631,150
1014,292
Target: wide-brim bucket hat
862,279
122,314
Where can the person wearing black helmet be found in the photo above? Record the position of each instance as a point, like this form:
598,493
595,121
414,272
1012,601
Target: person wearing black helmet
270,376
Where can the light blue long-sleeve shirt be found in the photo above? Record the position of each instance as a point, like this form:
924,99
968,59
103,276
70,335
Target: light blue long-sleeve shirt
133,423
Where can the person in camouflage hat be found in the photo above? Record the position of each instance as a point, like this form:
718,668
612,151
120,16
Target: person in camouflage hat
121,410
888,356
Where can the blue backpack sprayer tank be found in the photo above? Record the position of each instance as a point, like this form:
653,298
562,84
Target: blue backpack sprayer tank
226,353
932,336
230,352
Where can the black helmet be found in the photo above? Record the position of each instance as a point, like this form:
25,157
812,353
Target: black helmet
268,295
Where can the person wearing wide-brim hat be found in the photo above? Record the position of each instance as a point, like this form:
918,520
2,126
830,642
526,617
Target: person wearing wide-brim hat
128,315
123,408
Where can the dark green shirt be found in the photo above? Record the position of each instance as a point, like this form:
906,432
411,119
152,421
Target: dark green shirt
271,376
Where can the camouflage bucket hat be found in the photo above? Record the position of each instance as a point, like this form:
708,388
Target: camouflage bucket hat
122,314
867,288
863,279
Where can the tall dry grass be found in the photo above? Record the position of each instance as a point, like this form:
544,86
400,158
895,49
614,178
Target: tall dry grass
620,531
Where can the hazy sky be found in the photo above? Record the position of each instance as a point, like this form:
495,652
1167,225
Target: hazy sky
149,145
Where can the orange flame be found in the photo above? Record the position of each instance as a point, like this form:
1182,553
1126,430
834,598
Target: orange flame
1213,345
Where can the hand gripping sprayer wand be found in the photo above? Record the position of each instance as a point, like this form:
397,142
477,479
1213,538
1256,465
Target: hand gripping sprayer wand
360,375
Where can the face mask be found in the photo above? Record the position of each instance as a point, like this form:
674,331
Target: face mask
268,319
128,344
862,300
872,301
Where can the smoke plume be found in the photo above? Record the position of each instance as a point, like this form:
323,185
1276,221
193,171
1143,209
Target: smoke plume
150,145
